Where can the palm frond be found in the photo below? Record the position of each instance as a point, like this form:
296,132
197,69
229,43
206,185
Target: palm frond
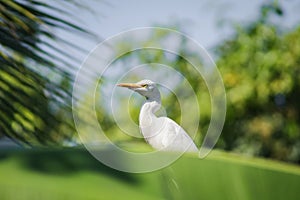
34,107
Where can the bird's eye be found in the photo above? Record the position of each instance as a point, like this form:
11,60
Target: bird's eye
144,85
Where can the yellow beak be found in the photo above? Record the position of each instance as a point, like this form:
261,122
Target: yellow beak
129,85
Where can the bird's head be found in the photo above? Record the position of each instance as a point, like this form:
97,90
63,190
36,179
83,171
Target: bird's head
145,88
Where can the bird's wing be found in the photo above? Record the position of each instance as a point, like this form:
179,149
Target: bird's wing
169,132
175,138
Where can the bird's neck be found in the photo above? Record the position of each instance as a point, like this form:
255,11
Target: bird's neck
147,113
152,103
151,106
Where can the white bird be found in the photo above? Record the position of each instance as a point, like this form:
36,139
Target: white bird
162,133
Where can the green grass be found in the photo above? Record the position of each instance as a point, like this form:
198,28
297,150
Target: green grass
74,174
68,175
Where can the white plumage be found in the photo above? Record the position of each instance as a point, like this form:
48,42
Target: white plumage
162,133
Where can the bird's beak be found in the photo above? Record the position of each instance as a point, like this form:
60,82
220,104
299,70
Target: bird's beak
129,85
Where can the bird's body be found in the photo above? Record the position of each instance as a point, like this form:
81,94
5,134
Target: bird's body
162,133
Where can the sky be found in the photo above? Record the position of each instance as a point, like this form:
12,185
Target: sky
206,21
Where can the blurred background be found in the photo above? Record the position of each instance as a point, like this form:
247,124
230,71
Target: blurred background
256,46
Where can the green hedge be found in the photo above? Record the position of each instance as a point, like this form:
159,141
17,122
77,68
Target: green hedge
74,174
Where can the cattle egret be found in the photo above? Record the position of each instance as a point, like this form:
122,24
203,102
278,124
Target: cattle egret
162,133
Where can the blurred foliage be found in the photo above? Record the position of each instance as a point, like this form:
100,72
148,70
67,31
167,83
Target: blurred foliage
34,80
260,66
